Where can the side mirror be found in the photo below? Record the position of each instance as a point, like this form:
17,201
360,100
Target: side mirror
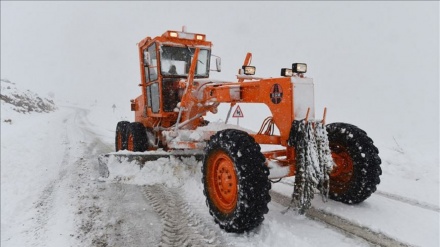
146,59
218,64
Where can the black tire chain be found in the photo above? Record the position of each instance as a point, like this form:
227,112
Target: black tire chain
313,164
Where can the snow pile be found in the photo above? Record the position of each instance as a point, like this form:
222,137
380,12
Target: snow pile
172,172
23,101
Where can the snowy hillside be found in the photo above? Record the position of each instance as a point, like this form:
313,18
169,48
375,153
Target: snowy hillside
51,193
23,101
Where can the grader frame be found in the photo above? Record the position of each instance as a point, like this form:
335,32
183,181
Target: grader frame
177,93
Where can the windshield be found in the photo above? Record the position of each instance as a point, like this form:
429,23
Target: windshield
176,61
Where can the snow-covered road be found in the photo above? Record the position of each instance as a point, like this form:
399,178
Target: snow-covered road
51,196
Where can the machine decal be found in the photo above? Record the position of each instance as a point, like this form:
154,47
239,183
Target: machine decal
276,93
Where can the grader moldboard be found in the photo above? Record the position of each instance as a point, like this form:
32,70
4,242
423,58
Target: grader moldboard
338,159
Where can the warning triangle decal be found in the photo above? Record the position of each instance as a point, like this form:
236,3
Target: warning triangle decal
238,112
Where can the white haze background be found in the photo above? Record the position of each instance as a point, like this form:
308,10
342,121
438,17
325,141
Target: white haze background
375,64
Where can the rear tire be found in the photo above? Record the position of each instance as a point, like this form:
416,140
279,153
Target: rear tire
121,135
235,180
357,164
137,140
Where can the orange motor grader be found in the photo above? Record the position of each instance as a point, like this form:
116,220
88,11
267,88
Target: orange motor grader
177,93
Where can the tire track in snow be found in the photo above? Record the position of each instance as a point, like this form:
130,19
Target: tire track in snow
398,198
376,238
181,226
408,201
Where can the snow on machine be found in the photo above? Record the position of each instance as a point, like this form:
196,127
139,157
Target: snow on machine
337,159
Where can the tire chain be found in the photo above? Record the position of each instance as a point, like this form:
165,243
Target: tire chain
181,227
314,163
325,159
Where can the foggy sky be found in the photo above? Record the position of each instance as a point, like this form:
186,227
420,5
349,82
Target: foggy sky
375,64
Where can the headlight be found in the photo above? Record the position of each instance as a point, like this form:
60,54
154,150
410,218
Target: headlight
200,37
299,67
173,34
249,70
286,72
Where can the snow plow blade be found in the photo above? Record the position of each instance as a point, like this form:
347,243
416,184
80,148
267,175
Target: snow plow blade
142,158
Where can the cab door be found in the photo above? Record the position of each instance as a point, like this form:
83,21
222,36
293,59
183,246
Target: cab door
152,78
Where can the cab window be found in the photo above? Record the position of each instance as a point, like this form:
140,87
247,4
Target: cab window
176,61
150,63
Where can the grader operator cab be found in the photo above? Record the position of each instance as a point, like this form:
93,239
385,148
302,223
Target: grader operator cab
337,159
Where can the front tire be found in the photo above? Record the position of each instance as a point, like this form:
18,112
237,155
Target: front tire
137,140
357,164
235,180
121,135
